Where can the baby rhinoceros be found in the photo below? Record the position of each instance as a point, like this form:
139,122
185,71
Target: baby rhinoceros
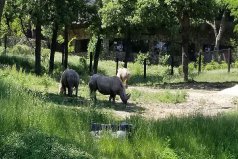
69,79
108,86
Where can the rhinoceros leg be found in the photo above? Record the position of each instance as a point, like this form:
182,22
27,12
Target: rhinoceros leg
93,95
76,91
112,97
70,91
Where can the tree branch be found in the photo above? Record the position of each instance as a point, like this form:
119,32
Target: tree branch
213,25
25,33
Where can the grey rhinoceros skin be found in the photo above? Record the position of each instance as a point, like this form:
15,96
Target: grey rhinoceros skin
69,79
108,86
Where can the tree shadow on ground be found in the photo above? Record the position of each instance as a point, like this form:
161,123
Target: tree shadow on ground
213,86
150,80
118,106
66,100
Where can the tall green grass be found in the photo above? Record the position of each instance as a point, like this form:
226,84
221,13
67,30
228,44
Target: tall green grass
35,122
34,128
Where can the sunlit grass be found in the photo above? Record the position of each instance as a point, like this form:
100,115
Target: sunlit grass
36,122
218,76
166,96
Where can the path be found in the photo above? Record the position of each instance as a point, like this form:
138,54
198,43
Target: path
198,101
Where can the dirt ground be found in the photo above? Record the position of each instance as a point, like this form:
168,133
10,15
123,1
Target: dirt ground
208,101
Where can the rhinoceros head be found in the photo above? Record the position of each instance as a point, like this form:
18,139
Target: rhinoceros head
125,97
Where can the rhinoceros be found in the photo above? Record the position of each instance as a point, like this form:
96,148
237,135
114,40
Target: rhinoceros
69,79
108,86
124,75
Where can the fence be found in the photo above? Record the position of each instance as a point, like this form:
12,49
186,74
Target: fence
218,56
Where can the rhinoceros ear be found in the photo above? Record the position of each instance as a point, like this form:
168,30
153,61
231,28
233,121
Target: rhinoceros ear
128,96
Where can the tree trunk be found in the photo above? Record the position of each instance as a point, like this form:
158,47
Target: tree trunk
218,32
53,48
2,3
66,41
185,25
96,56
127,48
221,31
38,48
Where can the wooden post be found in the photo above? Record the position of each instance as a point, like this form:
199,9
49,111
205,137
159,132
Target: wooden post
229,60
172,64
117,64
145,68
90,62
199,62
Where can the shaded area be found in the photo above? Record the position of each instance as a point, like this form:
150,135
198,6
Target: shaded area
118,106
35,144
84,102
213,86
150,80
23,63
66,100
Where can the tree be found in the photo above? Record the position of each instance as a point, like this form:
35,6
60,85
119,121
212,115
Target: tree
70,11
2,3
94,21
38,13
185,11
119,15
233,6
218,29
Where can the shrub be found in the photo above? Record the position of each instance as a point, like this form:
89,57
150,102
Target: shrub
164,60
137,68
141,57
212,65
83,63
21,50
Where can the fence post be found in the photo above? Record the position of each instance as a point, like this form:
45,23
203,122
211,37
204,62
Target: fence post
199,62
172,64
145,68
90,62
117,64
229,60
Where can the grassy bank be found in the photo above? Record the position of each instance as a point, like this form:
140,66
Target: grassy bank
36,122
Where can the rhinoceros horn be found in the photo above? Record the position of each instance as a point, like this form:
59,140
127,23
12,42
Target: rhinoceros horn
128,96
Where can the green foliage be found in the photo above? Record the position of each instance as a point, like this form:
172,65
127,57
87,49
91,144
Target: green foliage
213,65
21,50
71,45
60,39
83,63
232,5
164,59
140,57
19,62
92,44
36,122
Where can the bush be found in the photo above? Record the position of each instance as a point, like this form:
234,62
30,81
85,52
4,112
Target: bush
21,50
83,63
192,67
141,57
164,59
212,65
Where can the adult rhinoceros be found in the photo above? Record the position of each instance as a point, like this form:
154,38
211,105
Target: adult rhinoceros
108,86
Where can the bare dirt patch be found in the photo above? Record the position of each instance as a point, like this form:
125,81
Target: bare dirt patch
199,101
